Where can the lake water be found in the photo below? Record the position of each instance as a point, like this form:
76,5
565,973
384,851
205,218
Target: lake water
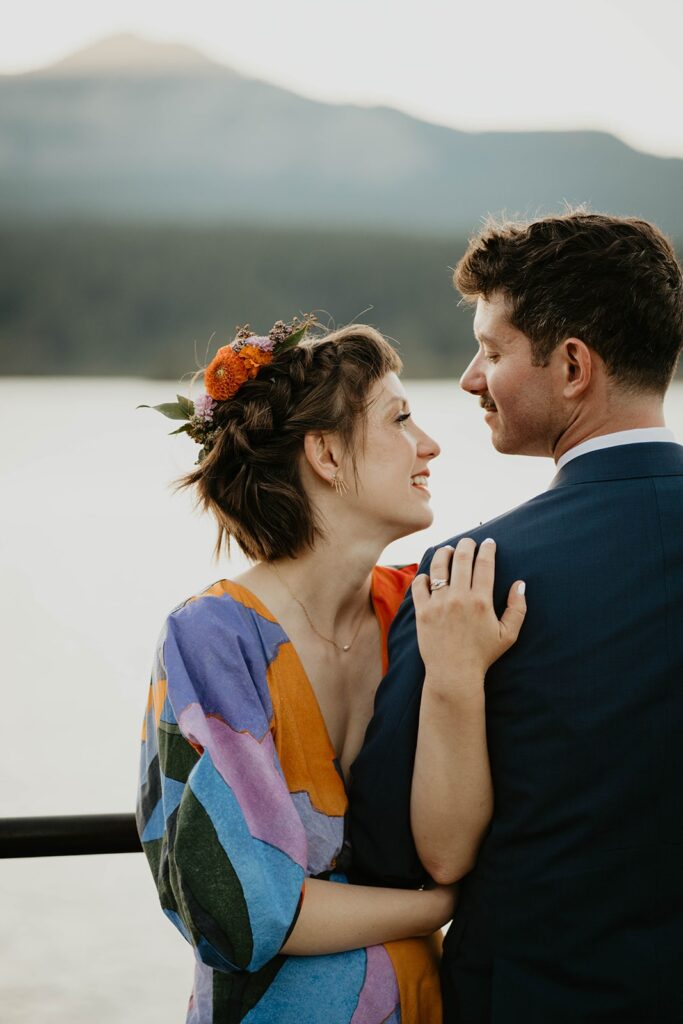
94,551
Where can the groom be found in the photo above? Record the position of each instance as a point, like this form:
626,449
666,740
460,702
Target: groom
574,909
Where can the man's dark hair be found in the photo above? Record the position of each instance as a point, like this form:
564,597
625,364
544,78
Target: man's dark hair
613,282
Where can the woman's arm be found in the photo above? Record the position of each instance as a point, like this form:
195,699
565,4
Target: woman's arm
336,917
460,636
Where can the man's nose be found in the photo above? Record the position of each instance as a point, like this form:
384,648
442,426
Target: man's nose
473,379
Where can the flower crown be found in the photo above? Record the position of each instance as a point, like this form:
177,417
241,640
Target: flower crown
230,368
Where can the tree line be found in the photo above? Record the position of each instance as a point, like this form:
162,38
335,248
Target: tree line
157,301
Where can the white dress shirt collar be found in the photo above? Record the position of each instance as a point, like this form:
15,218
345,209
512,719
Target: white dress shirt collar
639,436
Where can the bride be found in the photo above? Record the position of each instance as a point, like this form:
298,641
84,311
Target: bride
263,686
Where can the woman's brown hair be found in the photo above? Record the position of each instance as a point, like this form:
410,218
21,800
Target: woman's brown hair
251,480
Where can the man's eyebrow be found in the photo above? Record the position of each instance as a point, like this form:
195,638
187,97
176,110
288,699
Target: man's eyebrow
484,339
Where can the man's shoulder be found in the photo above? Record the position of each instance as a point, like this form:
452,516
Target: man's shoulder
508,523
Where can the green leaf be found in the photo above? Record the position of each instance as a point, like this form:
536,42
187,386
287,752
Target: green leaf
173,410
187,405
296,336
185,429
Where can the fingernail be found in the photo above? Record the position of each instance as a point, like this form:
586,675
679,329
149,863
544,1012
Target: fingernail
521,588
489,540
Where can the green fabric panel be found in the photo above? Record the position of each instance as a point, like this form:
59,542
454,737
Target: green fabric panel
205,885
153,855
234,995
176,757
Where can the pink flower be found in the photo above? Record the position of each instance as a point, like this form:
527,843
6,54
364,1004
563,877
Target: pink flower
265,344
203,407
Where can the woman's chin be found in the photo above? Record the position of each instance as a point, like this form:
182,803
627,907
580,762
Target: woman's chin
416,523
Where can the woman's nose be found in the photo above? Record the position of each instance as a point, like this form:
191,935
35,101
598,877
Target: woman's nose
429,448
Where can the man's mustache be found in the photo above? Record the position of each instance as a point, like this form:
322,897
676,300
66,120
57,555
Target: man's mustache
486,403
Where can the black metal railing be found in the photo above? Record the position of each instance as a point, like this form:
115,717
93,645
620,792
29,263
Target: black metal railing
63,836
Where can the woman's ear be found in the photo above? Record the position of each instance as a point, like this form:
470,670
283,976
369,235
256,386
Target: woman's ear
322,453
578,367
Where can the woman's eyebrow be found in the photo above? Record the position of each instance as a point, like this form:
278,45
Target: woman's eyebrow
395,398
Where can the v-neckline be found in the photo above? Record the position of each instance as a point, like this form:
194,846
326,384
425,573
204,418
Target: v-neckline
266,613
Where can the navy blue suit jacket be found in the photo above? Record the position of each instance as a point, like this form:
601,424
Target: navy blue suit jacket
574,911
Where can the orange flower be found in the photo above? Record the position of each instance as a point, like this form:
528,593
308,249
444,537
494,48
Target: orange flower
254,357
225,374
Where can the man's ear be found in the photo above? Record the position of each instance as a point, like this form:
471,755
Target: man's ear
322,454
578,367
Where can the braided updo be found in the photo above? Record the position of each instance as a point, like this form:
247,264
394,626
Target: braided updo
250,480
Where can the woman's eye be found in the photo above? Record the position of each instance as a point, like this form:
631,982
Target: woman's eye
403,417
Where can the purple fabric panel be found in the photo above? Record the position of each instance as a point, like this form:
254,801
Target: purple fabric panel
217,653
250,767
325,834
379,995
201,1004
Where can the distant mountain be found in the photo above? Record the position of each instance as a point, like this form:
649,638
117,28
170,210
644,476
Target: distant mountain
129,55
131,129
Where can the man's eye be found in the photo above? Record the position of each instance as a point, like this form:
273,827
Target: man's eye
491,357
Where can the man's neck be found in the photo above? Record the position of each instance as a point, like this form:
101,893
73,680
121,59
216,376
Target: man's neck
644,413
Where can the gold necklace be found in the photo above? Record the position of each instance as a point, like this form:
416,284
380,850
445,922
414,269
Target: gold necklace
328,639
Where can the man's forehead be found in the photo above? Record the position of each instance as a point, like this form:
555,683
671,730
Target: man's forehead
491,323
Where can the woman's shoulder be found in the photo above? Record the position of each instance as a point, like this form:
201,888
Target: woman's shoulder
395,578
389,586
215,650
224,615
225,603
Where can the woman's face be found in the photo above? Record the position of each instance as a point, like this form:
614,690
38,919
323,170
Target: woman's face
392,465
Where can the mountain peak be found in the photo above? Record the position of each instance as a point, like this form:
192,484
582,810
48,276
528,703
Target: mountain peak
127,54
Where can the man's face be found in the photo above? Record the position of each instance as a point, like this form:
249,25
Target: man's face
521,400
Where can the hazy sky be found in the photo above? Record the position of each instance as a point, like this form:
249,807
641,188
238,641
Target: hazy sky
615,65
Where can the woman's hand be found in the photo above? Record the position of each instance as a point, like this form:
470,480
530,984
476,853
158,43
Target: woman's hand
443,898
458,631
460,636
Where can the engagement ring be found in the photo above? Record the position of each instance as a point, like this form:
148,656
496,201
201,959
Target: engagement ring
437,584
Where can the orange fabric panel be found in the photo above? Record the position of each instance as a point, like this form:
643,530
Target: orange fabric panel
159,689
241,595
416,963
301,740
389,587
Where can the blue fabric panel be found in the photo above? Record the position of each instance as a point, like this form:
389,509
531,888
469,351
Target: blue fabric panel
172,791
311,989
270,880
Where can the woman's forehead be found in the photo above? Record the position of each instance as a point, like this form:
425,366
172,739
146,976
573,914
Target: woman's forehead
387,390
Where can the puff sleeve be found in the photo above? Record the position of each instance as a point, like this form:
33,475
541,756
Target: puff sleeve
216,820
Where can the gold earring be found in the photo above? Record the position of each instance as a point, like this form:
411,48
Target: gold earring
339,484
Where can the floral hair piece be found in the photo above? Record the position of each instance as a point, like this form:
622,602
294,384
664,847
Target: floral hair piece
230,368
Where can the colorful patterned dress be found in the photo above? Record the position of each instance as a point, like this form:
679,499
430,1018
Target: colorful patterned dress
241,800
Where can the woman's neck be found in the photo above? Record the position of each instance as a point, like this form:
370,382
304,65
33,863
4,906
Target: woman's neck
332,581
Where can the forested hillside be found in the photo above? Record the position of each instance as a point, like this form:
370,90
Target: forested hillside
151,300
107,299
